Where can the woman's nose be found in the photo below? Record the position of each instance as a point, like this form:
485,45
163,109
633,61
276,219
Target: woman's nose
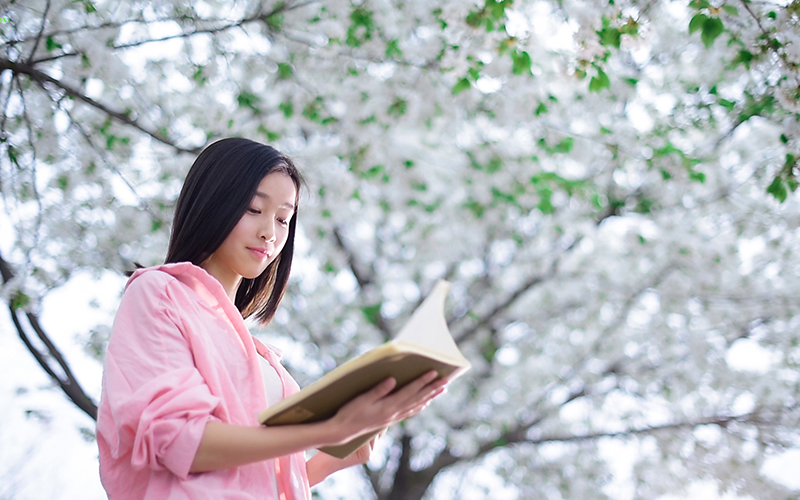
268,232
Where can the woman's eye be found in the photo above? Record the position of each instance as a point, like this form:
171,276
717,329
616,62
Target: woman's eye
283,222
254,210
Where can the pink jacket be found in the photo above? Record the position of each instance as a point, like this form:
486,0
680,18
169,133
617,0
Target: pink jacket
180,356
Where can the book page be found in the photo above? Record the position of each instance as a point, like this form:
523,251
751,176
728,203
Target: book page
427,327
422,345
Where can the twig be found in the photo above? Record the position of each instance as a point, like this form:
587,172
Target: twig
42,79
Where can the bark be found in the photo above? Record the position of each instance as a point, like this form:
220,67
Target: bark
408,483
47,354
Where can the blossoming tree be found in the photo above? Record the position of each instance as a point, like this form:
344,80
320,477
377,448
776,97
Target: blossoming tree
608,186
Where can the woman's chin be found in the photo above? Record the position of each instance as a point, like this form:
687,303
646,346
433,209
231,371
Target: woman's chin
252,274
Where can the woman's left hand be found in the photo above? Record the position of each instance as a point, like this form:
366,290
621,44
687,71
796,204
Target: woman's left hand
322,465
361,455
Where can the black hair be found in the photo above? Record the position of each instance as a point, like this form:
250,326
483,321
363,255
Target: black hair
216,193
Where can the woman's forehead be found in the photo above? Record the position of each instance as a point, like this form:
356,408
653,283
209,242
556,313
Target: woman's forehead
278,187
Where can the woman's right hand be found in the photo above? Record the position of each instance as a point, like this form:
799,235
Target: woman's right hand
380,408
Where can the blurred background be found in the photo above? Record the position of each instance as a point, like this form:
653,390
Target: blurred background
609,185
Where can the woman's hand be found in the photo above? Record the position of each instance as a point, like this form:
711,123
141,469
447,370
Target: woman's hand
323,465
380,408
362,455
226,445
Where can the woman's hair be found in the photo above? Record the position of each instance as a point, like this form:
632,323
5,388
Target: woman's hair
218,190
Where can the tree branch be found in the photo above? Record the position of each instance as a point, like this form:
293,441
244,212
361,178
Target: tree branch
41,31
519,434
67,380
43,79
521,290
363,278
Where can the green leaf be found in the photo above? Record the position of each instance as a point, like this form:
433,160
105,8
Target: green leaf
495,165
285,71
89,6
275,21
432,207
198,75
393,49
250,101
697,22
712,28
611,37
489,349
477,208
474,19
731,10
361,27
499,196
373,172
287,107
697,177
372,313
743,57
540,109
564,145
269,134
521,63
398,107
778,189
19,300
545,204
599,82
51,44
631,27
729,105
461,86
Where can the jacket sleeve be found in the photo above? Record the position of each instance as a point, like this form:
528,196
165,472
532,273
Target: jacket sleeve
155,402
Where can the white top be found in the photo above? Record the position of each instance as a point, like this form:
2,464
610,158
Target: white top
272,382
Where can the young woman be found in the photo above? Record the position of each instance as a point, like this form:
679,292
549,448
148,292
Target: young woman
184,380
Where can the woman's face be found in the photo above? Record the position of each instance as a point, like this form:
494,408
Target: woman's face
260,234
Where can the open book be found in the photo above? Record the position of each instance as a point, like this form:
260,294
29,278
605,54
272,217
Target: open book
422,345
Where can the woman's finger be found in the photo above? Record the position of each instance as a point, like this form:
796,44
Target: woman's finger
381,390
413,389
418,405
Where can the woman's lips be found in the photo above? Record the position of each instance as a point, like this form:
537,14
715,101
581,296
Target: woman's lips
261,253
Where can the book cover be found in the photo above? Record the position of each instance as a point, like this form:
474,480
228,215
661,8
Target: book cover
423,344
